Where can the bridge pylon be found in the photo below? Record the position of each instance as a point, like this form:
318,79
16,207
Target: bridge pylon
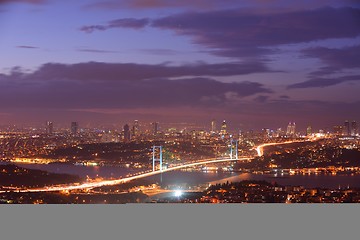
160,157
234,152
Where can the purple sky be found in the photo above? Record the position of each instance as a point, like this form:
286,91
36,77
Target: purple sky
255,63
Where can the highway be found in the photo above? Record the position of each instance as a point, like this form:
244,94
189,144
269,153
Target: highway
260,148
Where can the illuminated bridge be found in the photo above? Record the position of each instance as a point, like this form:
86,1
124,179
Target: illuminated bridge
233,156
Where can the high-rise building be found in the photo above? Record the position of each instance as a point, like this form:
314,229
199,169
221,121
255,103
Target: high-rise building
135,128
213,126
291,128
353,130
223,128
155,128
74,127
308,131
49,127
339,130
126,133
288,129
347,131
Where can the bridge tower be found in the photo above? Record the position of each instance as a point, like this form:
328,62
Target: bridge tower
234,149
155,159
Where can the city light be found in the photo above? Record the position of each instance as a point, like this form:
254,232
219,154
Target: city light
150,156
178,193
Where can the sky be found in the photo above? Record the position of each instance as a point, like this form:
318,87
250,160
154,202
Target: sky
255,63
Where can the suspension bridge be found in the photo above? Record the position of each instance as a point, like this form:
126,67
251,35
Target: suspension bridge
157,156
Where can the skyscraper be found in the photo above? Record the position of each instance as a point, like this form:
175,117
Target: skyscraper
74,127
223,128
353,131
135,129
308,131
155,128
213,126
347,131
126,133
291,128
288,129
49,128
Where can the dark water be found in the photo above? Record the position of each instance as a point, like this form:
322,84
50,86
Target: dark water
323,181
194,178
82,171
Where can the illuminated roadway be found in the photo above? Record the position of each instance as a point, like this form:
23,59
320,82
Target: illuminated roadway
122,180
90,185
260,148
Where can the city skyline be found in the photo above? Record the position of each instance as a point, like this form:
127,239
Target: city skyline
137,128
254,63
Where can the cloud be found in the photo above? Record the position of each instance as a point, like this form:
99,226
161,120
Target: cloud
73,92
240,33
124,85
158,4
264,5
118,23
129,23
27,47
92,28
88,50
22,1
335,59
97,71
324,82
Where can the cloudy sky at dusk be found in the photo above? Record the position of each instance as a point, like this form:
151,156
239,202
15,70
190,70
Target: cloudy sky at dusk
255,63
